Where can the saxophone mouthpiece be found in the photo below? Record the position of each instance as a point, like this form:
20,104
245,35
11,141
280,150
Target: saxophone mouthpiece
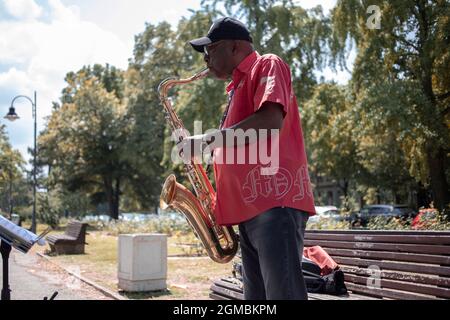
202,74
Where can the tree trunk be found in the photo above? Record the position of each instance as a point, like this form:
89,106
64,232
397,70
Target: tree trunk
438,181
344,189
112,198
396,197
436,159
116,198
423,196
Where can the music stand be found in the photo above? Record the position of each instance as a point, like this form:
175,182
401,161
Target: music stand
5,249
11,235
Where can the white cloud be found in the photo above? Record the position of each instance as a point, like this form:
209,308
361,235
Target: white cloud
15,79
23,9
46,41
59,12
37,54
18,41
127,18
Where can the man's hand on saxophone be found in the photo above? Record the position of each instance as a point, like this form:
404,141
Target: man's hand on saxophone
269,118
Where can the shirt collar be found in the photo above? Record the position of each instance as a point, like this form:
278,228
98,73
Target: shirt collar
243,68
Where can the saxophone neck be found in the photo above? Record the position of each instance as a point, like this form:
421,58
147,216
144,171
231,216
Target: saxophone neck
202,74
168,83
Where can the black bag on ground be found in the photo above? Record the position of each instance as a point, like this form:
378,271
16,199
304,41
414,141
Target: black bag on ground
332,283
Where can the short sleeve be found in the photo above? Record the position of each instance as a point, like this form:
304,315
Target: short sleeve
273,84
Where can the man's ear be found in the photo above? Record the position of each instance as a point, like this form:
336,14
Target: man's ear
235,47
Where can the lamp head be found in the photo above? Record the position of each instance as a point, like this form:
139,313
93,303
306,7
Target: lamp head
12,115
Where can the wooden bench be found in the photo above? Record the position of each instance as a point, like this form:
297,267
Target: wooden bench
400,265
71,242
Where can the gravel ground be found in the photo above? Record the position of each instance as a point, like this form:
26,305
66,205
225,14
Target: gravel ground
32,278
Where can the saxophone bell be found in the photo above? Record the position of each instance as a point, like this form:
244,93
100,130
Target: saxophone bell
167,192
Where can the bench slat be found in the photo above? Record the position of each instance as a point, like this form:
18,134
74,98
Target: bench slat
403,286
387,293
74,229
227,292
386,255
399,266
381,232
226,289
216,296
406,239
401,276
416,248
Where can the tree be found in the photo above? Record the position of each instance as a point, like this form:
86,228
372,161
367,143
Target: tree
401,79
85,138
284,28
161,52
11,168
331,145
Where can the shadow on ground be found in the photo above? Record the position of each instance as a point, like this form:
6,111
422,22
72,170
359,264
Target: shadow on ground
145,295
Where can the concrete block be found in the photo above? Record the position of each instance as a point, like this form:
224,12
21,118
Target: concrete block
142,262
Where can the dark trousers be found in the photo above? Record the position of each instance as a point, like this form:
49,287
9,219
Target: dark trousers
272,249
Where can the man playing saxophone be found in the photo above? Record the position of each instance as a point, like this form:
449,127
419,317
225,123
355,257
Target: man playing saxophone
271,204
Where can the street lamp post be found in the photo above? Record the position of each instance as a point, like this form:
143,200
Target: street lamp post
12,116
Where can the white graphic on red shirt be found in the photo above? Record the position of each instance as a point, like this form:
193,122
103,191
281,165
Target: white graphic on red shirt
257,185
270,80
303,184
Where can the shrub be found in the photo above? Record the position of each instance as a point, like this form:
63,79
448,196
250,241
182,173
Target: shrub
46,213
157,224
382,223
431,219
328,224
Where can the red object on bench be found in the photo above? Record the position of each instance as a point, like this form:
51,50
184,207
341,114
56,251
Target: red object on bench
322,258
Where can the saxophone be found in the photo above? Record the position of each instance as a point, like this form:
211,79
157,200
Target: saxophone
220,242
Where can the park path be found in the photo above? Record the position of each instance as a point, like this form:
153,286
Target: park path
33,278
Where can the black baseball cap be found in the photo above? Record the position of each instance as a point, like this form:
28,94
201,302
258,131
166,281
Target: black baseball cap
223,29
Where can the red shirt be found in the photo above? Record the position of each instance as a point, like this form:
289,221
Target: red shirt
245,190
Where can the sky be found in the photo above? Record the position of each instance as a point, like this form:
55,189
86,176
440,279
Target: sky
42,40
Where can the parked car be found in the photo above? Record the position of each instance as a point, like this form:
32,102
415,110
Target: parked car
326,212
136,217
96,218
332,213
386,211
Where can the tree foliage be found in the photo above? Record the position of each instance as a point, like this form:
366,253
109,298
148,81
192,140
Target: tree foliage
401,81
85,136
284,28
108,140
12,180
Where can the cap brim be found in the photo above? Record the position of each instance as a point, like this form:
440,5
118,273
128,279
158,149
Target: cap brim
200,43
